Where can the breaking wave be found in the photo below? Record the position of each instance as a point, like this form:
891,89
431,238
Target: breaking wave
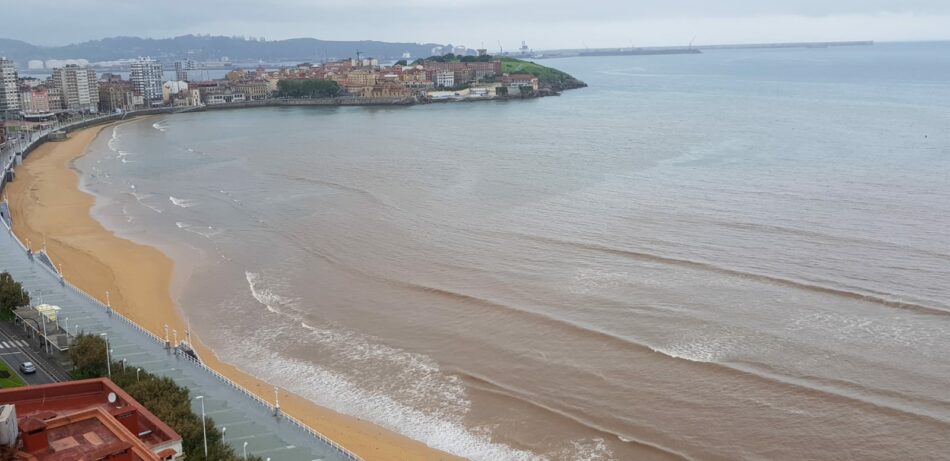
403,391
206,232
182,202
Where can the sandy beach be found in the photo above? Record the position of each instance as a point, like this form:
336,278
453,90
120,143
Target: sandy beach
50,210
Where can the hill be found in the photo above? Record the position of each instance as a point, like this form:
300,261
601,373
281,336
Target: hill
202,47
548,77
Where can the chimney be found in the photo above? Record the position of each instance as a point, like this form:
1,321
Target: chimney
33,434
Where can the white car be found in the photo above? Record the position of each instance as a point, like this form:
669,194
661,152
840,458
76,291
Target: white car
28,368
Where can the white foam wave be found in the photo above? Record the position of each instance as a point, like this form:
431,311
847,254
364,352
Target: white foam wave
182,202
404,391
125,212
263,295
335,391
161,126
206,232
590,450
140,198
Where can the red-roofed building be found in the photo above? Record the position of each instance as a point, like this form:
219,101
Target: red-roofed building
90,419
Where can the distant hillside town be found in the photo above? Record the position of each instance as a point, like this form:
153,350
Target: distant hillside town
74,88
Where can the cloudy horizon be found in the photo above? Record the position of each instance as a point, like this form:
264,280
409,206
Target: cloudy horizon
542,24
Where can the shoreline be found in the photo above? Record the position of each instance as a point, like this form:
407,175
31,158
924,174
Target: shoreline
49,208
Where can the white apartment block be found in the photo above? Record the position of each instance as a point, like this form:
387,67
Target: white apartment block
146,77
9,96
80,90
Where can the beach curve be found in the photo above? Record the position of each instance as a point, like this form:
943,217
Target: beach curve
50,210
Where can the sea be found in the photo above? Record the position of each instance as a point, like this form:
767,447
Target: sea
737,255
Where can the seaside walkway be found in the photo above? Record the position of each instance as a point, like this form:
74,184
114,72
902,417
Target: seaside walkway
246,419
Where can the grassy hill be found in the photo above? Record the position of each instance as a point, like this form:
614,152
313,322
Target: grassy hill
548,77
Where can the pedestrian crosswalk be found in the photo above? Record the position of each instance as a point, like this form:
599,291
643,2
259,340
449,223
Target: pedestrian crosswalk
12,344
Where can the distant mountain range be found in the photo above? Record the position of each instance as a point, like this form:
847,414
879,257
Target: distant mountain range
210,48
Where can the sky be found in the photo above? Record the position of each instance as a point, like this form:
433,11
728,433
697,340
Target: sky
543,24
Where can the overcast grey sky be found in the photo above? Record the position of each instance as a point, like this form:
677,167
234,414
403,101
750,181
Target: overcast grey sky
542,23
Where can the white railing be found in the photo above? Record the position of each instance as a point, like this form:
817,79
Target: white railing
309,430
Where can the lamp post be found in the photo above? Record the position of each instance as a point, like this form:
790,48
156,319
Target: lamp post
204,430
166,335
108,355
66,322
245,449
175,335
137,370
276,400
224,432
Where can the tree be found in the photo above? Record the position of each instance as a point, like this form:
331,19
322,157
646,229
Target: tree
88,354
172,404
12,295
401,62
307,88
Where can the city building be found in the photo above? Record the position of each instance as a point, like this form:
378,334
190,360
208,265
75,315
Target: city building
9,96
79,88
116,95
444,78
40,100
520,80
182,68
146,77
91,419
253,91
55,98
220,94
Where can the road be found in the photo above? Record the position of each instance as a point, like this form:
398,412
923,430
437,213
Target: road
16,348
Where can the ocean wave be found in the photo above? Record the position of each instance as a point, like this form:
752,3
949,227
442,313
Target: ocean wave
125,212
161,125
264,295
879,299
206,232
589,449
716,353
181,202
140,198
404,391
335,391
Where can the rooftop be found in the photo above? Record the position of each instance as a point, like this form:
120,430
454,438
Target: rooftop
92,406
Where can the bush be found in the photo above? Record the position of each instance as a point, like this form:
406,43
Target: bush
307,88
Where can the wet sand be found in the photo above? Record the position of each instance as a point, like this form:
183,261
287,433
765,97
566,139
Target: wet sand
50,210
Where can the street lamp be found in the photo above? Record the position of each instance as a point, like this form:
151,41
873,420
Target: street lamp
108,356
276,400
224,432
137,370
245,449
204,430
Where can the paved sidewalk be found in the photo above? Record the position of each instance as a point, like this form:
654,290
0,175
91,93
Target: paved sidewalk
246,420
